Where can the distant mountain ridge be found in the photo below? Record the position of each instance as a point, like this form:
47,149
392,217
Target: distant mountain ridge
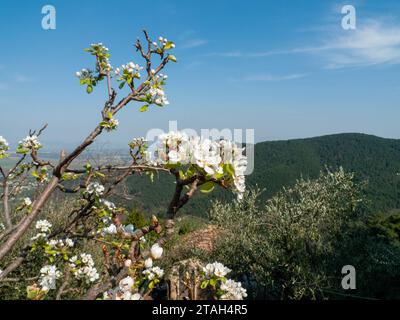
371,158
280,163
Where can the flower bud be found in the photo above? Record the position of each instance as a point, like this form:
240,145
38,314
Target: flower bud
148,263
128,263
156,251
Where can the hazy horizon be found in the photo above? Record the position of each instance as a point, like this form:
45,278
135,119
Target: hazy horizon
287,70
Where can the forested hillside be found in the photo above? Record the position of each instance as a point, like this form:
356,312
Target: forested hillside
279,163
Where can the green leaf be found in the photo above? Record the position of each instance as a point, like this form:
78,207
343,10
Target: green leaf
121,85
89,89
99,174
172,58
229,169
213,282
204,284
207,187
151,285
168,45
144,108
152,176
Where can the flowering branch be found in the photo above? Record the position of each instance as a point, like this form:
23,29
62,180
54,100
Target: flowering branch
108,112
197,164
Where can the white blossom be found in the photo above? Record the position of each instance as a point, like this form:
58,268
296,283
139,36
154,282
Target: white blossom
130,69
158,96
233,290
126,284
127,263
83,74
30,143
4,146
136,296
38,236
108,204
95,188
218,159
148,263
83,268
111,229
69,242
48,276
27,202
43,226
156,251
102,52
153,273
216,269
125,291
3,141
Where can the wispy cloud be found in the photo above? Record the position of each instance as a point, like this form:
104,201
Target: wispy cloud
188,40
20,78
372,43
260,54
269,77
193,43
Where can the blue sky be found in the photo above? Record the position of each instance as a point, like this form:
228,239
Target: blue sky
284,68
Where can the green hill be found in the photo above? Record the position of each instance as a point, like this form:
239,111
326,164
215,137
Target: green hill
279,163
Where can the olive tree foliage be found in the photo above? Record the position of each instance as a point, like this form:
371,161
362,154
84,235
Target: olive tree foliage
287,245
129,255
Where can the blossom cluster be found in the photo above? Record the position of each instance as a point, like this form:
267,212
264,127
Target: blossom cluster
214,274
27,202
157,96
110,229
110,124
61,243
216,269
129,287
163,44
95,188
221,160
102,54
48,277
83,268
44,228
124,291
153,273
128,71
103,67
232,290
110,206
30,143
4,147
83,74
